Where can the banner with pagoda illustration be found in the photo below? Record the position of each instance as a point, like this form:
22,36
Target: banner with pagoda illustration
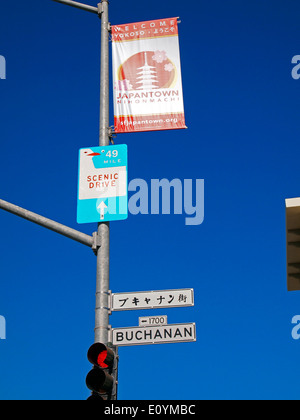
147,76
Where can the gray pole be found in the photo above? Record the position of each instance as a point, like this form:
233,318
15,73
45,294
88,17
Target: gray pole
102,287
101,241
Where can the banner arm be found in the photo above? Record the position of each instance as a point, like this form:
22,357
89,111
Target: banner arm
77,5
48,223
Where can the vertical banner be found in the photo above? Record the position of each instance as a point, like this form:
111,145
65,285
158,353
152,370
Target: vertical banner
147,77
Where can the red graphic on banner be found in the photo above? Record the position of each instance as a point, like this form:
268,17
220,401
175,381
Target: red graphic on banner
147,70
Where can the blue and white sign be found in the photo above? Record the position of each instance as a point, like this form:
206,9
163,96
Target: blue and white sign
103,184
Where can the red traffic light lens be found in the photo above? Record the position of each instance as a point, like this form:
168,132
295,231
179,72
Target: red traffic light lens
100,355
101,359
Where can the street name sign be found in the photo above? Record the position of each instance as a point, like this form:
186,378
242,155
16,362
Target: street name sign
173,333
152,300
102,184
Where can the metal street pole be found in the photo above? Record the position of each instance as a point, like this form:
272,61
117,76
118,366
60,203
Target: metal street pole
103,233
102,287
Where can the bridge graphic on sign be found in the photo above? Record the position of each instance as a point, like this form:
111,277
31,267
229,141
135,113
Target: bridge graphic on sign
102,184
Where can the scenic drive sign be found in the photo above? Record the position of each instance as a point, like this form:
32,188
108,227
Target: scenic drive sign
102,184
173,333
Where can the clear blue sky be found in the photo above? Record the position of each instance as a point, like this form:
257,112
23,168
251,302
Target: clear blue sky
242,110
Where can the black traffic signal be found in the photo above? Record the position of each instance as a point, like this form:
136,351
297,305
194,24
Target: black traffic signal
101,380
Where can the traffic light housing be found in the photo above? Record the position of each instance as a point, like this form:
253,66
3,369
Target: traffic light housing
293,243
102,379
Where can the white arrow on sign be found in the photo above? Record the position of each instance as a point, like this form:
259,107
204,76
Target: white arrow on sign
102,206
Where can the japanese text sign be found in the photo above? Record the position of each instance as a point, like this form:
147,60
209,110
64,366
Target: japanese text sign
152,299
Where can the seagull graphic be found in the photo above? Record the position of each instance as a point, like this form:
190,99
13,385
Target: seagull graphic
92,159
91,153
